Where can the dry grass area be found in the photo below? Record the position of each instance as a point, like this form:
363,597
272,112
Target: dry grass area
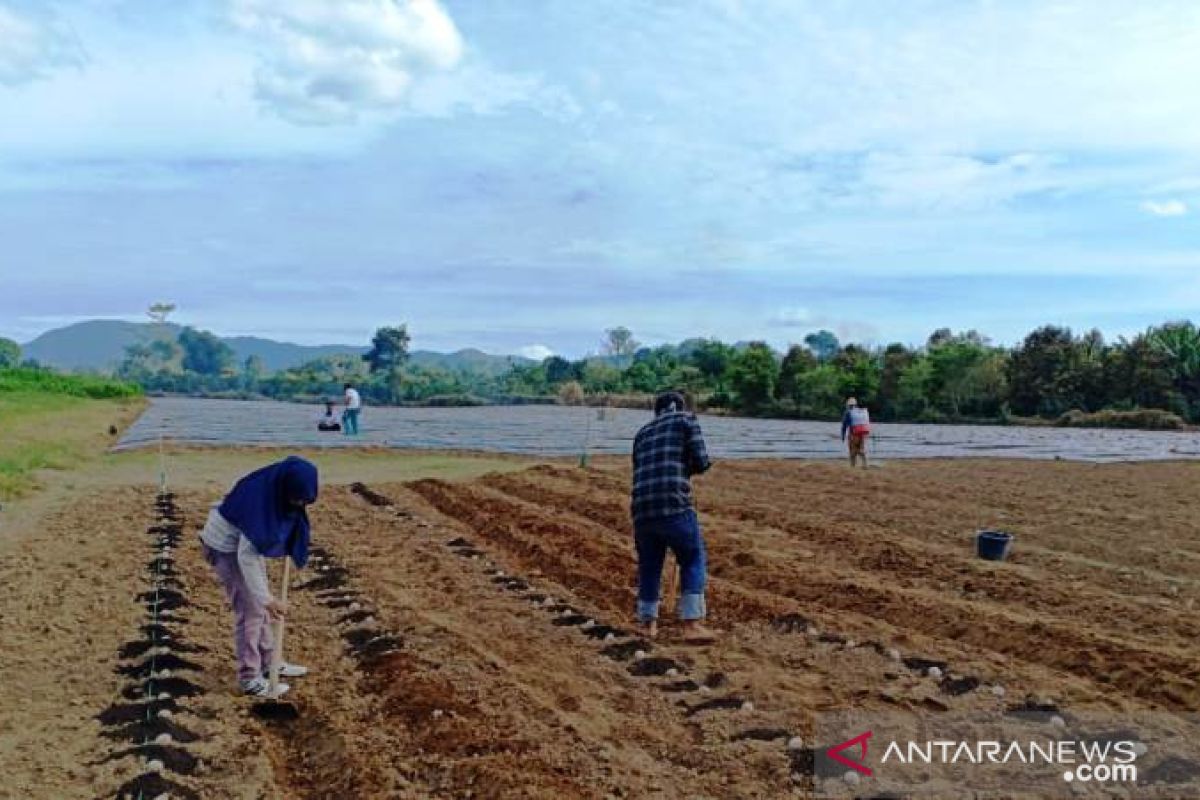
447,622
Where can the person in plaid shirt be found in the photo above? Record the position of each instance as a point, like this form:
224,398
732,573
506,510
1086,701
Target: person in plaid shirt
667,452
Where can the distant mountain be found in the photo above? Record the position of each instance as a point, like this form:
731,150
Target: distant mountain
282,355
100,345
469,360
97,344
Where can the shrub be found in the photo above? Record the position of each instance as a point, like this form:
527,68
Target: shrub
719,400
571,393
453,401
1154,419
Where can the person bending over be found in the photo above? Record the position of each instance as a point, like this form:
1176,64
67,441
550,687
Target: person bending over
262,517
667,452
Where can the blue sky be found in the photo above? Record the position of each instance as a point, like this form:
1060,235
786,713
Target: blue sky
520,176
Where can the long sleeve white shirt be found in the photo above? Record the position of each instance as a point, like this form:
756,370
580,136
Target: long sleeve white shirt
224,537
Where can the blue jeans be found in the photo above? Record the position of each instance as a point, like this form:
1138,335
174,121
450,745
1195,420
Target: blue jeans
681,535
350,421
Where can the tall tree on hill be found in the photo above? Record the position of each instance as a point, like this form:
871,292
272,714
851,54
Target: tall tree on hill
388,353
159,312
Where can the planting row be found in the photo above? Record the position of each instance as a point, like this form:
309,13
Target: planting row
621,645
360,631
807,763
150,722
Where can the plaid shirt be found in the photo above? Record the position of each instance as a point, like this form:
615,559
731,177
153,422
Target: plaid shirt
666,453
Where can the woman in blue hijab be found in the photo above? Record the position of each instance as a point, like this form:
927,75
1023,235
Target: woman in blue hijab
262,517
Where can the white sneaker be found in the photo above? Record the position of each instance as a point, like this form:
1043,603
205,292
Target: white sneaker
287,670
261,687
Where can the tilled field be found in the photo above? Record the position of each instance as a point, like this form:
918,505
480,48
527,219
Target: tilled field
475,639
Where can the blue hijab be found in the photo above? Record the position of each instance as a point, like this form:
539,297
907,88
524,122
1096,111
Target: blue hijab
260,505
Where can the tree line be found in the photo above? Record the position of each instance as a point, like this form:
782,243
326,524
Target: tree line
1052,374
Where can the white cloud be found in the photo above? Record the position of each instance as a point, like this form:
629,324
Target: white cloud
804,319
184,83
33,46
329,62
476,88
1174,185
537,352
1165,208
945,76
793,318
944,180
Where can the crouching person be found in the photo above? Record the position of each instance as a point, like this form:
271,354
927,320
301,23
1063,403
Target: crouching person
262,517
667,452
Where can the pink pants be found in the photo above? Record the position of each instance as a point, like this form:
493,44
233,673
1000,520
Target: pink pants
252,640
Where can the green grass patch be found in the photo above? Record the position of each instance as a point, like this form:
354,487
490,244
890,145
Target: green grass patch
41,430
43,381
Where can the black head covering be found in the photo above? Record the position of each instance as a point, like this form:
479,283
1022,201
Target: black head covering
669,401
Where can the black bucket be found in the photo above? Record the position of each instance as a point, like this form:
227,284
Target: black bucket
993,545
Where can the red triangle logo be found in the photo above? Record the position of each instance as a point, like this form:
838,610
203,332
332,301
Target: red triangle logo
835,753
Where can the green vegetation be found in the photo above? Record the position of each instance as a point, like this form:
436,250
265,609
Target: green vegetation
101,345
53,422
953,376
197,362
10,353
1152,380
33,380
389,351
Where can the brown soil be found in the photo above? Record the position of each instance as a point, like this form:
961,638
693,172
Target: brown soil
435,676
